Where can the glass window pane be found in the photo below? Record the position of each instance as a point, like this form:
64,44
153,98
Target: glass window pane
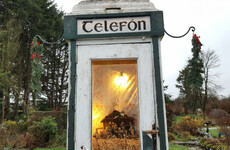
115,114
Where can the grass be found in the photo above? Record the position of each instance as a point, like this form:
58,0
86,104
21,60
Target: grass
171,147
178,119
213,132
177,147
50,148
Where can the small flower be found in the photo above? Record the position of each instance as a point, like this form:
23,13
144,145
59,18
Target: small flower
38,43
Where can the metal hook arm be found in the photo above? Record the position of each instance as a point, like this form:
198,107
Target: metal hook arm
190,28
50,43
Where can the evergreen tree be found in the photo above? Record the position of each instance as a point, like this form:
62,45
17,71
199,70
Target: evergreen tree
182,82
184,88
34,18
9,47
54,77
167,96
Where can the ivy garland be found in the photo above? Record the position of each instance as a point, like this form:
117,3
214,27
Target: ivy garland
36,51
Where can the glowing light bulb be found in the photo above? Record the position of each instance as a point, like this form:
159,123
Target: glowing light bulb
121,80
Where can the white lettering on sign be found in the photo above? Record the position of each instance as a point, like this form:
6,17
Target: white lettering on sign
113,25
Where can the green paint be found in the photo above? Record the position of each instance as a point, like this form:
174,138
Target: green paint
71,110
159,95
70,27
147,142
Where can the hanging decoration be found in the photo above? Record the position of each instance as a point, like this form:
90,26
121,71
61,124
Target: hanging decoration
35,52
195,37
36,49
196,68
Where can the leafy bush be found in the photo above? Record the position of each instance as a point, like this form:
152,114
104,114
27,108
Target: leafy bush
3,137
177,147
45,130
23,126
60,139
12,133
189,124
169,115
60,116
186,135
171,136
10,127
31,134
13,127
212,143
224,123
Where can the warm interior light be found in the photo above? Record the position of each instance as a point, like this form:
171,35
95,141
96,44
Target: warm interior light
97,117
121,80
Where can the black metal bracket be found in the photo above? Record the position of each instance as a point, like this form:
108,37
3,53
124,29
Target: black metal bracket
49,43
190,28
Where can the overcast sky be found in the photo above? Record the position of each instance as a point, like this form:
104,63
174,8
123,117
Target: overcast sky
211,18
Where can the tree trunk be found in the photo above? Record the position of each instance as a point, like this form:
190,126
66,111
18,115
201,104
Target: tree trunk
7,103
17,96
3,107
3,110
26,98
54,100
27,83
206,89
34,99
186,106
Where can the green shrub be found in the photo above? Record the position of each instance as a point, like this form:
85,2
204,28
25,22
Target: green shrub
178,119
189,124
23,126
10,127
186,135
45,130
60,140
171,136
13,127
177,147
212,143
12,133
60,117
3,138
